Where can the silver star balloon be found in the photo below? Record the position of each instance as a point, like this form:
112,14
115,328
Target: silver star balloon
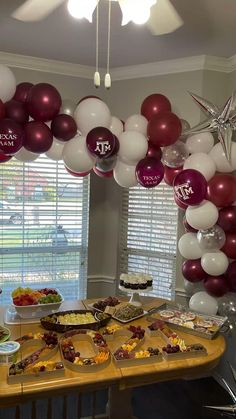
231,408
222,121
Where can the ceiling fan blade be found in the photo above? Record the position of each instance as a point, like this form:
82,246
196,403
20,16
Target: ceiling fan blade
164,18
33,10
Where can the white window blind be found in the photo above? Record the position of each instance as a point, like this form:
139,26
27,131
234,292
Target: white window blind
43,228
148,236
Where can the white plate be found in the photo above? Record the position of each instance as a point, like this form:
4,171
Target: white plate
130,320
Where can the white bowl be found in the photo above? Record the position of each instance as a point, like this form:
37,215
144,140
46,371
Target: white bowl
38,310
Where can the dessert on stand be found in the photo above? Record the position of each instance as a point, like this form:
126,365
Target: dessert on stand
135,283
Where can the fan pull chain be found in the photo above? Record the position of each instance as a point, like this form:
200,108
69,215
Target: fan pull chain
107,81
96,78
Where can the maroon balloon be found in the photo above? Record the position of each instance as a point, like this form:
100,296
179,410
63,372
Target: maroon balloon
100,142
117,146
190,187
192,270
103,174
77,174
164,129
88,97
2,110
221,190
38,137
63,127
229,247
171,173
230,275
4,158
22,91
216,285
180,204
11,137
227,219
16,111
43,102
155,152
154,104
149,172
188,228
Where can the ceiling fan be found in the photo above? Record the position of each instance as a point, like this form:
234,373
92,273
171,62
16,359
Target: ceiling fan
162,17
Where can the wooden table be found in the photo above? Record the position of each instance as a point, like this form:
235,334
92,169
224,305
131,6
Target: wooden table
120,381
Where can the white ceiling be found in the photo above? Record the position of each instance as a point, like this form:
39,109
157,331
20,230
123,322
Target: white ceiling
209,29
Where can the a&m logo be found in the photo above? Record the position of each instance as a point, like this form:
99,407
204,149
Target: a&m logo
183,191
102,147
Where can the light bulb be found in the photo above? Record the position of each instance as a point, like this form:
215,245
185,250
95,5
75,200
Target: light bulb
137,11
82,8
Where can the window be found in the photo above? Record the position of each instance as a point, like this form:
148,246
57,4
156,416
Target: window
43,227
149,235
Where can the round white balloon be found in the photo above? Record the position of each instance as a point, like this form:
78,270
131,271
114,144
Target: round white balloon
116,126
202,216
189,247
200,143
92,113
203,303
55,152
7,83
136,123
25,155
201,162
133,147
222,164
76,156
214,263
125,175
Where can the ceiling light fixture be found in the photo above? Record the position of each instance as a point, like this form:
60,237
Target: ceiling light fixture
82,8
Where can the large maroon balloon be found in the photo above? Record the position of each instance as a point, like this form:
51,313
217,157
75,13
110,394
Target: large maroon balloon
229,247
188,228
216,285
230,275
2,110
4,158
63,127
16,111
164,129
77,174
153,151
190,187
154,104
171,173
38,137
22,91
227,219
11,137
149,172
43,102
221,190
103,174
192,270
100,142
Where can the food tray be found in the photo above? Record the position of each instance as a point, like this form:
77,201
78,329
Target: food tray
117,333
123,363
183,355
207,333
37,310
130,320
36,344
62,328
83,337
27,377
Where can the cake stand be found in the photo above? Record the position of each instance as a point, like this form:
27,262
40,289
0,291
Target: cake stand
135,297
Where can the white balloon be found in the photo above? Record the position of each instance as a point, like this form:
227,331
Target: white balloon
133,147
116,126
222,164
204,303
189,247
55,152
25,155
92,113
202,216
136,123
125,175
7,83
200,143
201,162
76,156
214,263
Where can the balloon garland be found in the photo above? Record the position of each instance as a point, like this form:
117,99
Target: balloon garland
145,149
